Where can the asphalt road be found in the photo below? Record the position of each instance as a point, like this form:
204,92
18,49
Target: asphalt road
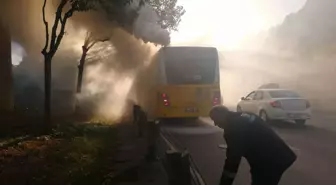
314,144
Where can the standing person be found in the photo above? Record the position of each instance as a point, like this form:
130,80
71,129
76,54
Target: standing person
151,128
139,119
152,139
248,136
142,123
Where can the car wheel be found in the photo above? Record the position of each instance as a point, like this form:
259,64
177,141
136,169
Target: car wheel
263,116
300,122
239,109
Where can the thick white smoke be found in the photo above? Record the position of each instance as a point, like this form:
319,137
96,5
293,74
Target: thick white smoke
111,65
146,26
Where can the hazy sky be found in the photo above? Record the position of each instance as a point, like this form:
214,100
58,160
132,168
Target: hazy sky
224,23
220,23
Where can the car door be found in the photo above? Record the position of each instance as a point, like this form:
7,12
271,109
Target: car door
256,102
247,103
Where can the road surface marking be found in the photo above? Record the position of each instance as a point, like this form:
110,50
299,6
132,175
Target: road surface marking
222,146
295,150
170,145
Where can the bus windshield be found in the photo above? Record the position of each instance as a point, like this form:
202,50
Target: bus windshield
191,70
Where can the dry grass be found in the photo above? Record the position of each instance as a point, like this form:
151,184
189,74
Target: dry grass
71,154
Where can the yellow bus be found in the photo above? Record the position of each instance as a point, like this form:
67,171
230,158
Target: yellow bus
181,82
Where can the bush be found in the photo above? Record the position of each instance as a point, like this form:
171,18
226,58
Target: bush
72,154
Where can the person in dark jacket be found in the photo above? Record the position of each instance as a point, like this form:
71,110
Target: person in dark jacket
247,136
139,119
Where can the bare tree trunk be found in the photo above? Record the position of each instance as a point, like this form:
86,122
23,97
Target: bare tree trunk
6,78
52,43
47,89
81,69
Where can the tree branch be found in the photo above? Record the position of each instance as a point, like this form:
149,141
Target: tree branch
96,41
91,45
44,50
88,39
62,31
104,40
58,18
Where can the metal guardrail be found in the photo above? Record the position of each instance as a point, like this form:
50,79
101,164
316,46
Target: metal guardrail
175,147
197,178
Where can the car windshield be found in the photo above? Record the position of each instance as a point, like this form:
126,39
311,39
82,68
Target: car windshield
284,94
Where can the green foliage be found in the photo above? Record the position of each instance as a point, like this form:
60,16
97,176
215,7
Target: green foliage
168,12
86,5
83,5
117,11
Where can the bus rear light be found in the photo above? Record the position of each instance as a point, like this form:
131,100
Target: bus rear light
166,102
165,99
216,99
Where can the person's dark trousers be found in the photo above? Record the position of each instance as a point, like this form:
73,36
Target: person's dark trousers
152,139
142,121
225,180
270,176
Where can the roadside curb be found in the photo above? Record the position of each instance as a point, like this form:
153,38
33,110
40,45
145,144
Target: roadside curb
178,163
131,166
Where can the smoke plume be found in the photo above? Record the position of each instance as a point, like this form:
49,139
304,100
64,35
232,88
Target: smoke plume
298,54
111,66
146,27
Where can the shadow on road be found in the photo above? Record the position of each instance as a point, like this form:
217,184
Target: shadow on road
288,125
312,130
189,127
191,122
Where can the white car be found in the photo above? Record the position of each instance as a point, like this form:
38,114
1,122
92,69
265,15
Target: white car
276,104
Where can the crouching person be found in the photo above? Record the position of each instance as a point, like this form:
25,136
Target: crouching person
248,136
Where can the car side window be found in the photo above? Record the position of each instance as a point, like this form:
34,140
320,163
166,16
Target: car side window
250,96
259,95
